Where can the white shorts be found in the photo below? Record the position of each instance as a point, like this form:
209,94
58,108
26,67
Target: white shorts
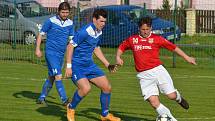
153,80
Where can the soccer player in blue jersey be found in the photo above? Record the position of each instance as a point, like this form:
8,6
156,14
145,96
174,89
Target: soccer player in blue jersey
84,71
58,30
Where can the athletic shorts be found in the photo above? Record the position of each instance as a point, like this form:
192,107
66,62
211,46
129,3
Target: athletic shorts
89,72
54,63
153,80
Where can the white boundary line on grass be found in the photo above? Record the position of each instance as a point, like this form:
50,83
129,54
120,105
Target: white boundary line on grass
187,76
33,79
206,118
174,76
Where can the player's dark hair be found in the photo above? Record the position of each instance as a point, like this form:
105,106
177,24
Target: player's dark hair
64,6
145,20
99,12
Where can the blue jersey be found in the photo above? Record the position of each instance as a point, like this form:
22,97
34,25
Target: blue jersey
58,32
85,40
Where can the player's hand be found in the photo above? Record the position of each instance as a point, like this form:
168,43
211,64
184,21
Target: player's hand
119,61
192,60
112,67
68,73
38,53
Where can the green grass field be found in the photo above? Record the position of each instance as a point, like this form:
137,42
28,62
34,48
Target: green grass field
21,83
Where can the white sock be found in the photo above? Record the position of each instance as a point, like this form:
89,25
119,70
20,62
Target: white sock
164,110
178,96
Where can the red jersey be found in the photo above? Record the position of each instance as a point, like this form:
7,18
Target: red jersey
146,50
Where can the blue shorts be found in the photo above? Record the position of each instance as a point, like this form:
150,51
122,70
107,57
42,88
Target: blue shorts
79,72
54,63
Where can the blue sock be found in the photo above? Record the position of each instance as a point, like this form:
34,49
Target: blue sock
105,102
61,91
46,89
75,100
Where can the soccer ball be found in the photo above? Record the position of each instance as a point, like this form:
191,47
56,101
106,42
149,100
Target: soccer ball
164,117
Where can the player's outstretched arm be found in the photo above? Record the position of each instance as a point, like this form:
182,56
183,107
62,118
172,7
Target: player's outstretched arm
185,56
99,54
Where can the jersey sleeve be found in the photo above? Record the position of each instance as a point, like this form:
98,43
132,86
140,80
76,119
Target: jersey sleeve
167,44
78,38
46,26
125,45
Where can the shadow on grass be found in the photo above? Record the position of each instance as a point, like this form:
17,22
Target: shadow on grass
26,94
32,95
52,109
57,110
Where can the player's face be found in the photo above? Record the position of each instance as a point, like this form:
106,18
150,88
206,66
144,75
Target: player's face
99,23
63,14
145,30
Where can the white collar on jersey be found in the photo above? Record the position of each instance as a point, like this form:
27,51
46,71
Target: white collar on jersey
93,33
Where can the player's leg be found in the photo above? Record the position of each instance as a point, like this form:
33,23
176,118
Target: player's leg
55,63
103,83
98,78
178,98
47,86
159,107
60,89
81,81
150,92
83,89
166,86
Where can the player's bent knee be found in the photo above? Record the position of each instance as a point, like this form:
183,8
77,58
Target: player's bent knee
85,90
154,101
107,89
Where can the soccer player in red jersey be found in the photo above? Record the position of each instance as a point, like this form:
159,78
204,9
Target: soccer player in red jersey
152,75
